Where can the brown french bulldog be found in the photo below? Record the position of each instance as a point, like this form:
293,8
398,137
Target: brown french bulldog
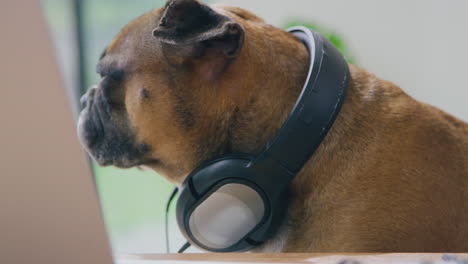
188,82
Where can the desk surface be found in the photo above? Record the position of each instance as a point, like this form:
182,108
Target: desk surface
433,258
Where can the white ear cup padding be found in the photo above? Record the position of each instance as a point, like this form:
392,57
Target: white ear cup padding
226,216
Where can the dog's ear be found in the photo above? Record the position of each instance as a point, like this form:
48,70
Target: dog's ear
191,23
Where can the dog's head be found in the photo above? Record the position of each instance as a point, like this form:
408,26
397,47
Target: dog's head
188,82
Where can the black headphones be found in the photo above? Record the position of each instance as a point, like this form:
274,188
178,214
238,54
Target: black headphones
238,201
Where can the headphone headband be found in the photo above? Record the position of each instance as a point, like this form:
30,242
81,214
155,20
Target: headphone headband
317,107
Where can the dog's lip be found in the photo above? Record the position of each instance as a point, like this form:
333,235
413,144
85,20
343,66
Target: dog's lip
94,112
146,162
149,162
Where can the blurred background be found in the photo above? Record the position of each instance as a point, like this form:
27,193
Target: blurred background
421,45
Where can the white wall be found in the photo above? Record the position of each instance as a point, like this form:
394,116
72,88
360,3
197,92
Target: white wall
420,45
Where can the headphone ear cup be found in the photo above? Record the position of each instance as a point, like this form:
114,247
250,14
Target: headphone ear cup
219,205
226,216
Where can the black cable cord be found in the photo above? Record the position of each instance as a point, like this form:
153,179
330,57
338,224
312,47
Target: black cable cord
184,247
168,206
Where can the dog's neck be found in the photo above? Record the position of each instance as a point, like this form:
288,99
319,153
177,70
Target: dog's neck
327,162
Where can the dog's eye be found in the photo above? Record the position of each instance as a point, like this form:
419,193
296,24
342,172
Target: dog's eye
106,81
114,74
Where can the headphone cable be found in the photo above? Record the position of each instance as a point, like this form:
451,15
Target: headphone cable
184,247
168,206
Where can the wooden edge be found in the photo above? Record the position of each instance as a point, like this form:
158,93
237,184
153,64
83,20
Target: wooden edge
344,258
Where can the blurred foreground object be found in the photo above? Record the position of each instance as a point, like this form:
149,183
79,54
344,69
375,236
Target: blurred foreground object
49,207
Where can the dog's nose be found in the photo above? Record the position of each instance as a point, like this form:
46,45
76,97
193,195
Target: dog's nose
86,96
84,100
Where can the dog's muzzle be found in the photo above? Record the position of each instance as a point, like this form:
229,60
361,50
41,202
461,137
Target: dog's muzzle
106,133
